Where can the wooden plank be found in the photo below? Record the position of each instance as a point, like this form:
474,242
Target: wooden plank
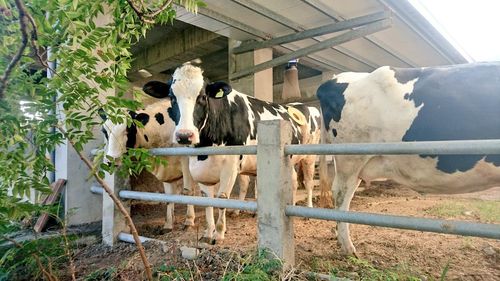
56,187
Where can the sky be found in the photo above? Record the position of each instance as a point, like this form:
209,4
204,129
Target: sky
472,26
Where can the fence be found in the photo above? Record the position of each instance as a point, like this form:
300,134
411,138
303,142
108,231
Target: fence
274,204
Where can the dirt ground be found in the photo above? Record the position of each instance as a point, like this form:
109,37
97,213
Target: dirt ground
424,254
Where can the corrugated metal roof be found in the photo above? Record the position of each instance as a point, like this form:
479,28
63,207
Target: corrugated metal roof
410,42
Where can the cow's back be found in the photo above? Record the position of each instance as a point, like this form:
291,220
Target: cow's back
425,104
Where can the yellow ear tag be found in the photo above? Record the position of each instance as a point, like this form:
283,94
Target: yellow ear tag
297,116
219,94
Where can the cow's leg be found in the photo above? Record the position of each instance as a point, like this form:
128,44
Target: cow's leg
187,180
169,219
208,191
295,185
188,186
308,174
190,217
255,190
345,183
243,182
227,179
343,189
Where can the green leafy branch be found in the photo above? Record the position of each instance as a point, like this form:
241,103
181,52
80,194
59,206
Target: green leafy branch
91,59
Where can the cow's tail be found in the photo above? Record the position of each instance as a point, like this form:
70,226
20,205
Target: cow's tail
325,199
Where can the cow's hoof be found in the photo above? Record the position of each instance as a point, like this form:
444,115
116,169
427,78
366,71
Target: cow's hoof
334,232
234,214
187,227
206,240
186,192
164,231
349,254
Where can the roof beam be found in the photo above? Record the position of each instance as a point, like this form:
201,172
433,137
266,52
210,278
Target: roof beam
295,27
345,37
313,60
234,23
269,14
260,34
327,11
326,29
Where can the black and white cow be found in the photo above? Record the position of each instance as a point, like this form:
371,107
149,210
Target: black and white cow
217,115
157,132
423,104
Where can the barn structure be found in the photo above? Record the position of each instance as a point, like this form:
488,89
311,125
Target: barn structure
249,43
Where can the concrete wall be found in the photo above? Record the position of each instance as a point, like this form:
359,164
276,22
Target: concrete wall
80,205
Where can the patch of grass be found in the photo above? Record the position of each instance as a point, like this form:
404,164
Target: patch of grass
102,274
467,243
445,271
10,227
256,267
447,210
321,265
17,263
486,211
169,272
360,269
489,211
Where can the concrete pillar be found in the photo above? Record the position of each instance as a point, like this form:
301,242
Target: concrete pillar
263,80
260,84
113,222
274,177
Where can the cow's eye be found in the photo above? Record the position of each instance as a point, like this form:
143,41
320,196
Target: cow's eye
201,99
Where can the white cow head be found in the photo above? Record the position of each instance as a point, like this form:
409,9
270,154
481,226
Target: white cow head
189,101
119,137
116,138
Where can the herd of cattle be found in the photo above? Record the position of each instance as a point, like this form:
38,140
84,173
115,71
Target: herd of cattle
388,105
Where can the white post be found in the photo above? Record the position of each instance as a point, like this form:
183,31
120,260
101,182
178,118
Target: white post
274,176
113,222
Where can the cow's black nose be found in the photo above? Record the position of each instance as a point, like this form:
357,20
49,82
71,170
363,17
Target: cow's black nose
184,137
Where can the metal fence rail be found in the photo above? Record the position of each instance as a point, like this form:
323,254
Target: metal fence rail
211,150
190,200
402,222
477,147
273,204
480,147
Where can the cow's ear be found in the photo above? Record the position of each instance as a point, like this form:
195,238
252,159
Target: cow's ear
218,90
157,89
102,114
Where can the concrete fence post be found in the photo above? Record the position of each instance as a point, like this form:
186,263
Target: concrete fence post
274,185
113,221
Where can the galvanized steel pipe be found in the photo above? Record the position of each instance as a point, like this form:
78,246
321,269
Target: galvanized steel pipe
401,222
210,150
191,200
420,224
396,148
96,189
129,238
